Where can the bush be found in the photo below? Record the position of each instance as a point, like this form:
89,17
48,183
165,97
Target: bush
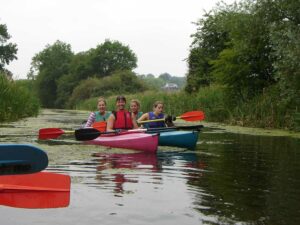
121,82
16,100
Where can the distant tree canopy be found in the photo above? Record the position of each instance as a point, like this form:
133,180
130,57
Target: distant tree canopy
110,57
8,51
157,83
58,70
247,47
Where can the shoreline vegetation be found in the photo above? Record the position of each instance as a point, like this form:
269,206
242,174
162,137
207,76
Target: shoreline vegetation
262,112
16,101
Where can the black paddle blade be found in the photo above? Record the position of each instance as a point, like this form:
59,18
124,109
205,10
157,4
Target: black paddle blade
86,134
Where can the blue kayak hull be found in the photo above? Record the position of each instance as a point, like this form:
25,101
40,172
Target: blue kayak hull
182,139
21,159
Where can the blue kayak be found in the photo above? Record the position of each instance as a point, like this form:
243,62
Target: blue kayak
176,138
182,139
21,159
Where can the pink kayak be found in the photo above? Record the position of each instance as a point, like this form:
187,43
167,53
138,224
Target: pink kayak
136,141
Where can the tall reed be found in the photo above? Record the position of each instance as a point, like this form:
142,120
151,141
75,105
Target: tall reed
265,110
210,100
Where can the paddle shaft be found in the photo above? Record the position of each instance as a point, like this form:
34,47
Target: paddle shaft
12,187
156,120
188,116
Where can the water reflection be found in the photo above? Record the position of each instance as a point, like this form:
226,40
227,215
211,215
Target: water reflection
117,170
35,199
255,178
124,168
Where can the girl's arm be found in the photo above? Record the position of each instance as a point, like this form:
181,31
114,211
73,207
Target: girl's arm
90,120
110,123
133,119
145,116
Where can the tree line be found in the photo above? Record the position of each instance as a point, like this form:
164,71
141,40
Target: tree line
64,78
61,79
242,67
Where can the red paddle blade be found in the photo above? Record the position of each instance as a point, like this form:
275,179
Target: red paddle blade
193,116
38,190
50,133
101,126
42,181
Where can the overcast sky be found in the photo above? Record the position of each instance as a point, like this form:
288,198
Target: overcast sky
158,31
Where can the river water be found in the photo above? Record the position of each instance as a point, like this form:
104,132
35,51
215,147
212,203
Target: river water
229,179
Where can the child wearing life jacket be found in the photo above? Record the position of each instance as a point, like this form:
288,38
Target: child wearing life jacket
121,118
100,115
157,113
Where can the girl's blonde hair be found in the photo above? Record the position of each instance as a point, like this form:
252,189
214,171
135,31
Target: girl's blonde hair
102,99
137,102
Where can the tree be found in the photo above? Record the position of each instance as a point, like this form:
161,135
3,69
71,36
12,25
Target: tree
165,76
94,63
232,47
8,51
209,40
151,81
245,66
111,56
284,19
79,69
51,64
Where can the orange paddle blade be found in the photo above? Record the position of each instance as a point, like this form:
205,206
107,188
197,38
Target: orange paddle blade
101,126
192,116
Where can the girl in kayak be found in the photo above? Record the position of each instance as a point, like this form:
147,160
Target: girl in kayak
134,108
121,119
100,115
157,113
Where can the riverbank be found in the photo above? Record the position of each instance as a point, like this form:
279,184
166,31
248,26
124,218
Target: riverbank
251,130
